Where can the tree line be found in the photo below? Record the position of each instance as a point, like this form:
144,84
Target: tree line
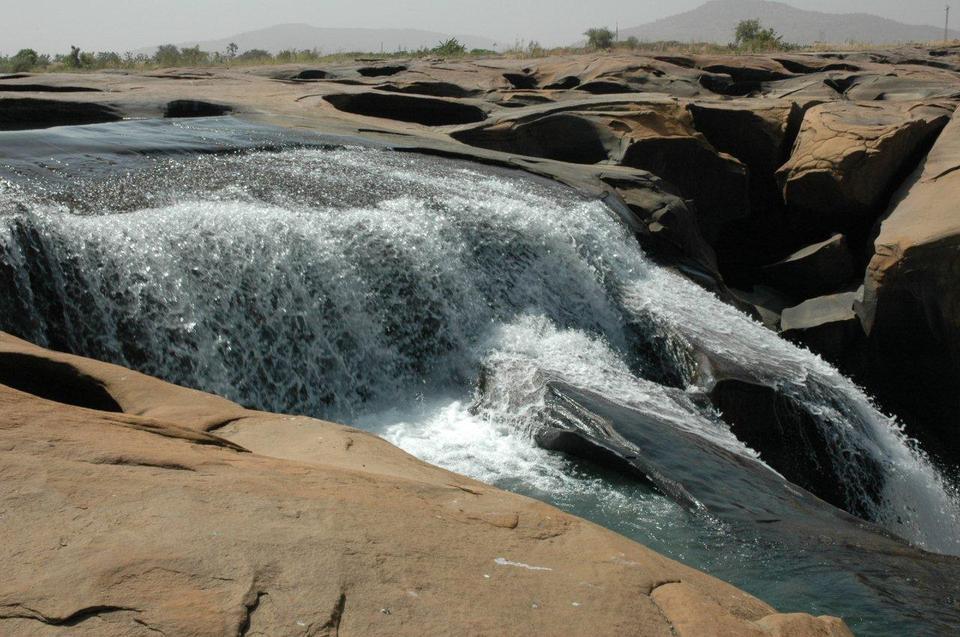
169,55
749,36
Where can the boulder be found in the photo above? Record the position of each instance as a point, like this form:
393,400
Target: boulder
656,136
716,182
848,158
143,522
758,134
790,439
768,303
911,305
820,268
665,224
828,326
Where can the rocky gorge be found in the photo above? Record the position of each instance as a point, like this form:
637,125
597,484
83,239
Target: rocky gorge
812,193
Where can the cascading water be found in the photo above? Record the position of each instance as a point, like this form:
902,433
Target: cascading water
376,288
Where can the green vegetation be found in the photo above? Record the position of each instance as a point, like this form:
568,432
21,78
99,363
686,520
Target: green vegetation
599,38
169,55
751,36
449,48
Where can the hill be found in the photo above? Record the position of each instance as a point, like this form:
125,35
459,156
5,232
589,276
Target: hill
333,40
716,20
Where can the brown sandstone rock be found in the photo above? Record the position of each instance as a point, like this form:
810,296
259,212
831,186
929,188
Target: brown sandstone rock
116,523
653,135
848,156
828,326
911,306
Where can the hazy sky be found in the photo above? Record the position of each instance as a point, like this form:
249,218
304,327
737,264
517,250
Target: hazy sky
121,25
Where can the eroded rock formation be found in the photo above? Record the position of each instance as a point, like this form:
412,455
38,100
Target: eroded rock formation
155,517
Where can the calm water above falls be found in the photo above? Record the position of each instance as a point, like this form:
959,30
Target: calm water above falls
460,312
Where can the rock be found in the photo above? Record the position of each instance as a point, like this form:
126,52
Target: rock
716,182
45,88
848,157
142,522
655,135
815,270
618,73
434,89
758,134
195,108
381,71
564,136
667,225
908,86
521,80
820,311
769,303
789,439
419,110
21,113
911,305
828,326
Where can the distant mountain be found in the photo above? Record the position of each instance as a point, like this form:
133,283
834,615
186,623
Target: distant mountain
304,36
716,20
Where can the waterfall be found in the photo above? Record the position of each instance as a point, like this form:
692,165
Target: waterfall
363,285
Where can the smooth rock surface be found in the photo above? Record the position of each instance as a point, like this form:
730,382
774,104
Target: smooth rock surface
820,268
142,522
847,156
911,305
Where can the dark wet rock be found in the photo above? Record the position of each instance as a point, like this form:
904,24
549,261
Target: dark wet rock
665,224
790,439
828,326
768,303
381,71
23,113
817,269
195,108
405,108
911,305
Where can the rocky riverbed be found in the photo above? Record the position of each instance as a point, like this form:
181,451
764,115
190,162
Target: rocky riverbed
815,192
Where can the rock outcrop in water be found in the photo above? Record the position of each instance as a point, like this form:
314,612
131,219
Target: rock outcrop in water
132,506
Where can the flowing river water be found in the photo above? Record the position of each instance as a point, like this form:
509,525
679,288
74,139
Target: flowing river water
468,315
